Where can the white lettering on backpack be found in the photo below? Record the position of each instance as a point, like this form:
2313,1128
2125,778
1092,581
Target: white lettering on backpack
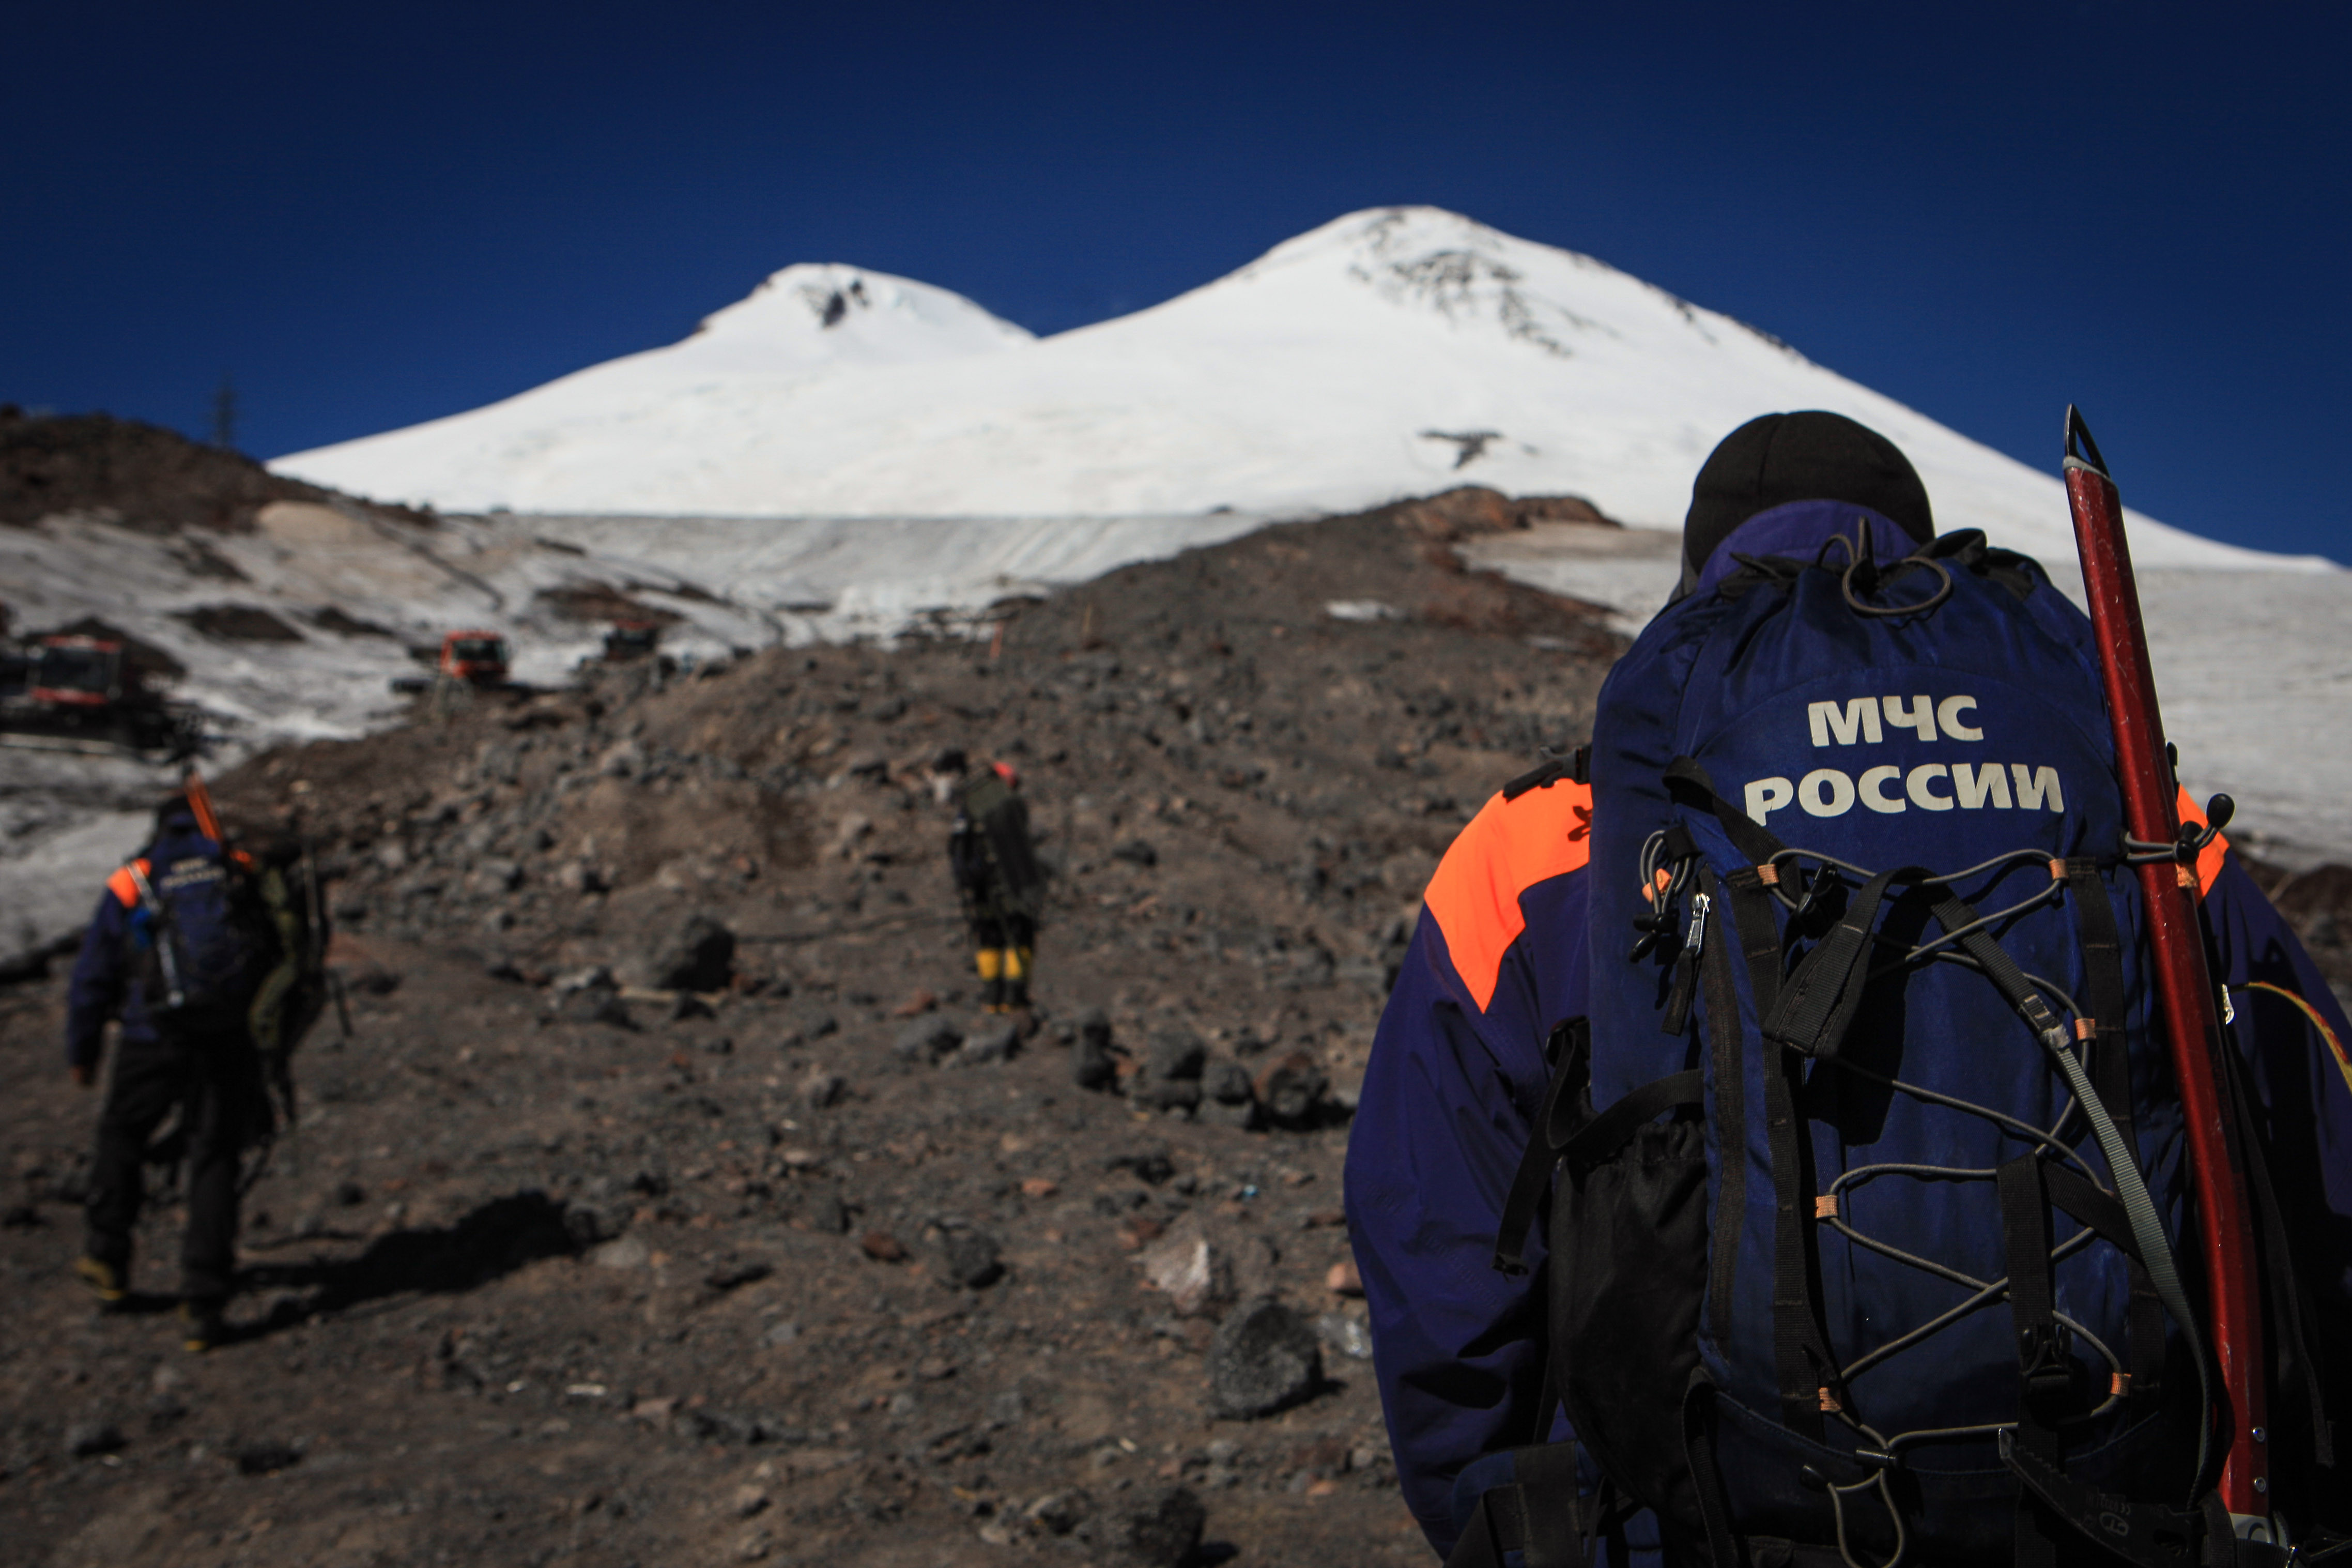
1919,718
2031,790
1869,786
1916,783
1826,792
1766,796
1857,720
1971,784
1864,721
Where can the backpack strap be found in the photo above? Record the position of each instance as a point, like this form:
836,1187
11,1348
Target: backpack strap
1723,1544
1724,1039
1806,1369
2102,967
1536,1519
1689,785
1817,1007
1576,767
1570,1047
2140,1534
1565,1135
2045,1372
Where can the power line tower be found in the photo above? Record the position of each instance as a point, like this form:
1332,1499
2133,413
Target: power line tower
224,413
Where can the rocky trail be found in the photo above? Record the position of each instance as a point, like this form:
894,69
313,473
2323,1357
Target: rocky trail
670,1201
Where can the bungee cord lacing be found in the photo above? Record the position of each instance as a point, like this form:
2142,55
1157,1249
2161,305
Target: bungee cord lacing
1787,879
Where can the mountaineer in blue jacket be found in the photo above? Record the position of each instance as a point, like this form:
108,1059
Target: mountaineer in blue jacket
1502,954
175,950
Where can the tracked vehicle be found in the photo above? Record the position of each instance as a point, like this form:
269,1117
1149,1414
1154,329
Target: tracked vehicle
75,693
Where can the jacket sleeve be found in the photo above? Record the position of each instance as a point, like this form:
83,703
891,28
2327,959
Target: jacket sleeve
2292,1032
1457,1072
95,988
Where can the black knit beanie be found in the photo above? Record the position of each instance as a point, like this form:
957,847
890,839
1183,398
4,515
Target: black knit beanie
1781,458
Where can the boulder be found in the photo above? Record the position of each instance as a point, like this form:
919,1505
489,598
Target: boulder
968,1257
1094,1066
1228,1083
1165,1532
1164,1093
1291,1089
1176,1053
994,1039
1186,1267
926,1040
1264,1358
698,956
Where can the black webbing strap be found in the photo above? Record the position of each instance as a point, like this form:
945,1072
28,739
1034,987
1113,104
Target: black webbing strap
1607,1131
1723,1546
2103,968
1549,771
1537,1515
1724,1039
2042,1365
1687,782
1572,1046
2289,1300
2097,1208
1800,1354
1818,1004
1601,1136
2045,1373
2138,1532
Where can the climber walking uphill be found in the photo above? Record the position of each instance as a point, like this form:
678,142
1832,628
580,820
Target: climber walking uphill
1769,1152
996,874
196,947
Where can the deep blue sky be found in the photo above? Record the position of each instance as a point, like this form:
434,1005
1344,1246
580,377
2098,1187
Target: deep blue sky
367,216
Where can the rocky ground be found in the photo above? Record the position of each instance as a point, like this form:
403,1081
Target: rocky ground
671,1203
142,476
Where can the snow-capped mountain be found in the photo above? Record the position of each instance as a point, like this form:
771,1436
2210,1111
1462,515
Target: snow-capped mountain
1389,352
678,422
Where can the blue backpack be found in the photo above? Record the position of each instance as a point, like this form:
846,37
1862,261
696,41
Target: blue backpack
200,938
1868,1252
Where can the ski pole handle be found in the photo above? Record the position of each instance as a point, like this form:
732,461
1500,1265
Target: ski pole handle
2184,990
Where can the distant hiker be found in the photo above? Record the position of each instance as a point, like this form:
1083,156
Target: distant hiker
1833,1255
185,937
996,874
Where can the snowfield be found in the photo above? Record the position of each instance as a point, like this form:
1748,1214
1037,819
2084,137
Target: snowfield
1388,353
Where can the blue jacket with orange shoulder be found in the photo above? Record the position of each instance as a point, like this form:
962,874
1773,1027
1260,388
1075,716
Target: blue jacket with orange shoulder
1457,1072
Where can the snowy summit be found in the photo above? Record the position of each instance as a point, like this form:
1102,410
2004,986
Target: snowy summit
1389,352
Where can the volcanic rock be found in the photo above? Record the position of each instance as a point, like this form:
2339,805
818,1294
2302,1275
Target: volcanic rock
968,1257
700,956
1264,1358
1163,1533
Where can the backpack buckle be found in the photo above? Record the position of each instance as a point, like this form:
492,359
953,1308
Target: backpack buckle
2043,1364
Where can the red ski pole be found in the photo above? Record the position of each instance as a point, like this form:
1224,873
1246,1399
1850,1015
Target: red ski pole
2184,990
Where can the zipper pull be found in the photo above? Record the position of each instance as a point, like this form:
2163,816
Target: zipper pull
1695,937
1686,986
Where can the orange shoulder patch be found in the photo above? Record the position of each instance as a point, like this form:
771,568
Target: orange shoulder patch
124,886
1508,848
2209,859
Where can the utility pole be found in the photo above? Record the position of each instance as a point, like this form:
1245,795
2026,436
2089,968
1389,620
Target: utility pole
224,413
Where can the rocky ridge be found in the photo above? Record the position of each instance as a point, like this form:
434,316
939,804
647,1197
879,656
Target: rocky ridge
670,1201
